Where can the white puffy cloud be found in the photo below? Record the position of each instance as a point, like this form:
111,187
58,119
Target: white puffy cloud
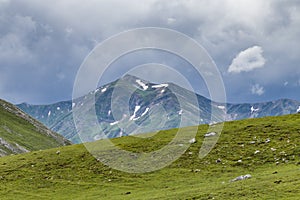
248,60
257,89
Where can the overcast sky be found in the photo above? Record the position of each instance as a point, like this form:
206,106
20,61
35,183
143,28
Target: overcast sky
254,43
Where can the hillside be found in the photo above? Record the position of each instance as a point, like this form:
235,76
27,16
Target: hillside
161,101
21,133
268,149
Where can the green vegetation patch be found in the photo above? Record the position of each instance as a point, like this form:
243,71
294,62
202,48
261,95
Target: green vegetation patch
267,149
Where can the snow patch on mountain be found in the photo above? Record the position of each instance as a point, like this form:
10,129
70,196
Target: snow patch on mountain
254,109
97,137
160,85
134,113
104,90
145,112
222,107
298,110
114,123
143,85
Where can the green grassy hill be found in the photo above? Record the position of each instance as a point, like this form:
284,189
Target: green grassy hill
268,149
20,133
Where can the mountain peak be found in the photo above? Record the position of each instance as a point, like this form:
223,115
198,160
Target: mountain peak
150,107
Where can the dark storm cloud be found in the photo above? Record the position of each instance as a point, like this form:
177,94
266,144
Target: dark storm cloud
43,43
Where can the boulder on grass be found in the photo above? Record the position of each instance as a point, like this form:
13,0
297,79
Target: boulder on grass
242,177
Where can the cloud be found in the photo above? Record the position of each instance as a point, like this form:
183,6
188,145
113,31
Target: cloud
48,40
4,1
171,20
257,90
248,60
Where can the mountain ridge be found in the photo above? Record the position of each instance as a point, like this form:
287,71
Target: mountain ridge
148,99
20,133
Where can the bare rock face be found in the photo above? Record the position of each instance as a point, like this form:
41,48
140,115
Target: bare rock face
14,148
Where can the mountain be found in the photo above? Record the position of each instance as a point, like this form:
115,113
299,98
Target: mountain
21,133
149,107
267,149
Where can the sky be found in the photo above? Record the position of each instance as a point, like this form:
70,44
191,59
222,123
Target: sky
254,43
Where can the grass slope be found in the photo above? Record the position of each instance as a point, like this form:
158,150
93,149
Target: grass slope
20,133
75,174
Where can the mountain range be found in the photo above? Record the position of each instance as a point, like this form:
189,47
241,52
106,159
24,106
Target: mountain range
20,133
131,105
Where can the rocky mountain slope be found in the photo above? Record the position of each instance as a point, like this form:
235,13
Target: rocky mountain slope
150,107
21,133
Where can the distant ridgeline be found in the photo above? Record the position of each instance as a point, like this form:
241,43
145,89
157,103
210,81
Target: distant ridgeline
145,101
21,133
